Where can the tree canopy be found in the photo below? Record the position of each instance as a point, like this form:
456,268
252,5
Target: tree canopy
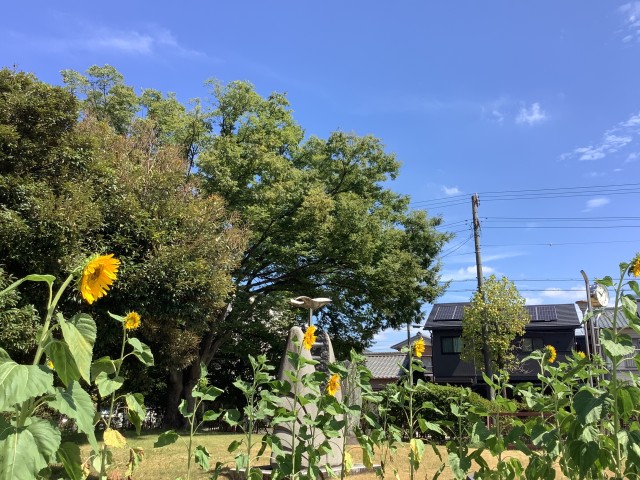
498,307
220,211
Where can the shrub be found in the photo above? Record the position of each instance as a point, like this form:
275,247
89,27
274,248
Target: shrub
442,397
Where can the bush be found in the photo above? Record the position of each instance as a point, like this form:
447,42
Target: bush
442,397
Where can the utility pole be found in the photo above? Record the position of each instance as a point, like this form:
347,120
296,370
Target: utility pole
475,201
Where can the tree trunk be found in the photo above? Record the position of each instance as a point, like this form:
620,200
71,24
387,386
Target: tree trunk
172,417
181,382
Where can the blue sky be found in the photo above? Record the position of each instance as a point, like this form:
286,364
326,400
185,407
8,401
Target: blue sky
539,99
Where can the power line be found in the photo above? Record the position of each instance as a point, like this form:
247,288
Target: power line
453,249
522,280
526,194
557,244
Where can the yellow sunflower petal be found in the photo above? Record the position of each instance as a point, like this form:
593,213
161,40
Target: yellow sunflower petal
97,276
132,321
309,337
334,385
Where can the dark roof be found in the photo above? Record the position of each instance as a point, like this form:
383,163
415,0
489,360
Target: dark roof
604,319
543,317
402,344
386,364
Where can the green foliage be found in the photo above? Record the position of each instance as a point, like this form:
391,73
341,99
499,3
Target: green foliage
497,313
440,397
201,393
18,324
320,220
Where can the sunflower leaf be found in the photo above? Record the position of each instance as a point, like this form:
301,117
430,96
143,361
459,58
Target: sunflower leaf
75,403
21,382
141,351
63,362
80,335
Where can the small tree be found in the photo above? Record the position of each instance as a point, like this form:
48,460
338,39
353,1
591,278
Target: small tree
500,308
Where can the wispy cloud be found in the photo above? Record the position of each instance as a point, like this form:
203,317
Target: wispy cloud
89,37
531,115
631,19
596,203
556,295
451,190
613,140
466,273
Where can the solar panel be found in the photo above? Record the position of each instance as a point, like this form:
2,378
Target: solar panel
542,313
447,312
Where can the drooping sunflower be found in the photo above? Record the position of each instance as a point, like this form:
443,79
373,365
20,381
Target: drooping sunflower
98,275
550,352
131,321
334,385
634,268
309,337
418,347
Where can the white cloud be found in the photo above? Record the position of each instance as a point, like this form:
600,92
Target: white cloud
531,115
87,36
632,157
451,190
613,140
596,203
631,19
557,295
467,273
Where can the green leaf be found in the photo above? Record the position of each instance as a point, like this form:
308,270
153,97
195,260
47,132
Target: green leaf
25,451
588,407
202,457
426,426
69,456
33,278
107,385
210,415
75,403
183,408
104,364
207,393
141,351
21,382
41,278
80,335
135,409
63,361
166,438
232,417
233,446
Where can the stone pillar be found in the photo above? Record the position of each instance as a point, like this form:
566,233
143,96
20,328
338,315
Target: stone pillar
322,351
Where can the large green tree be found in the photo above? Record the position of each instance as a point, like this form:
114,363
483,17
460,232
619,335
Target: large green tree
495,316
73,184
171,190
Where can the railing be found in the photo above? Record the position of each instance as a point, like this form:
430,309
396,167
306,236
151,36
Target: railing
629,363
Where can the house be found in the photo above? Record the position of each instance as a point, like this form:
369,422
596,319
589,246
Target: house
549,325
603,318
387,367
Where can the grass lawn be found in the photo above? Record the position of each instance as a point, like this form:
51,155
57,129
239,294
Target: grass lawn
169,463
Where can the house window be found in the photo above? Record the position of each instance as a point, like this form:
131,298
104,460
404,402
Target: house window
451,344
528,345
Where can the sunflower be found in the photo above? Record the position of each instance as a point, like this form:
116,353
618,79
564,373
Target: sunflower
581,355
634,268
550,353
131,321
334,385
309,337
418,347
50,365
97,275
